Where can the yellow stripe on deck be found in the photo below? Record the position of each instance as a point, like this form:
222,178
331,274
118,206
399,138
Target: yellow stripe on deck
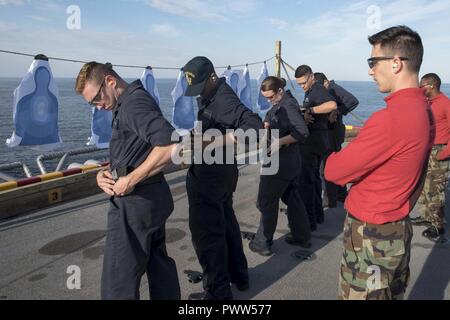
51,176
90,167
8,185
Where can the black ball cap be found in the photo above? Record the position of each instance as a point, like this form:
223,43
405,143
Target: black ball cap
197,71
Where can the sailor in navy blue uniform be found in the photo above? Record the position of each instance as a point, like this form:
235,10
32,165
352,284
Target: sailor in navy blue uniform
140,147
346,102
318,103
215,231
285,117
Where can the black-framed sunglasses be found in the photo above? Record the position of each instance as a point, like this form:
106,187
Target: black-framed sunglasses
305,82
97,97
374,60
275,94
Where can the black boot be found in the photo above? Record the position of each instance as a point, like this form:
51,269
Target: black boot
197,296
260,248
434,234
242,286
292,241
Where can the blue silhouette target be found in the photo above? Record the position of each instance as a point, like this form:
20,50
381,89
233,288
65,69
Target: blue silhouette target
183,107
36,110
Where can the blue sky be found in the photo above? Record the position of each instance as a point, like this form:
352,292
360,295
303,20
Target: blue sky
331,36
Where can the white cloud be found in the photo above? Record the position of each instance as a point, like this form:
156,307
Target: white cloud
336,40
187,8
209,10
13,2
48,7
279,23
241,6
359,6
164,29
408,11
89,45
38,18
350,22
7,26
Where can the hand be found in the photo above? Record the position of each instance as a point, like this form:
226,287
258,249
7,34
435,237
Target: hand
332,116
123,186
274,147
309,118
266,125
105,182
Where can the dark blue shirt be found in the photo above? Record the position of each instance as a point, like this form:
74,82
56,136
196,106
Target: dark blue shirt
318,140
223,110
286,117
346,102
137,127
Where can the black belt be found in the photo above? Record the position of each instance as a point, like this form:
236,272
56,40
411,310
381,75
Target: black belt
123,171
359,220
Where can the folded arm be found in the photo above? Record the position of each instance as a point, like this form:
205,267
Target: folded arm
373,146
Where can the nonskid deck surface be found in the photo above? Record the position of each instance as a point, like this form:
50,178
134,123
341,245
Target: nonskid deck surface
38,249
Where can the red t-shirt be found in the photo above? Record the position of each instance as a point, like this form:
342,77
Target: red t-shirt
386,160
440,106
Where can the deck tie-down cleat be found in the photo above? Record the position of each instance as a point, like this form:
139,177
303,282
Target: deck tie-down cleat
194,276
435,234
248,235
304,255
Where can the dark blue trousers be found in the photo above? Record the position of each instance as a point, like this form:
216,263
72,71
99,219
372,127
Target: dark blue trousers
216,236
271,191
336,138
310,186
136,244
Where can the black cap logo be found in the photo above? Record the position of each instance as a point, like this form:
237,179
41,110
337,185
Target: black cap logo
197,71
189,77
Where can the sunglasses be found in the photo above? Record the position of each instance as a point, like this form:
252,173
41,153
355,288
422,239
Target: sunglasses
273,96
97,97
374,60
305,82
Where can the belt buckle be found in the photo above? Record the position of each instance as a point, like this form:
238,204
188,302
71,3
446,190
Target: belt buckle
115,175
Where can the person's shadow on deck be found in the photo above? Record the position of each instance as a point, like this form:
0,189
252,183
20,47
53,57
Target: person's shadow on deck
435,275
284,260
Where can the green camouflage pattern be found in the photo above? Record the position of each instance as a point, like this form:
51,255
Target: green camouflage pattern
432,199
375,261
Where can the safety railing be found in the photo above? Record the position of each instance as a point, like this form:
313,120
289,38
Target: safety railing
12,166
62,156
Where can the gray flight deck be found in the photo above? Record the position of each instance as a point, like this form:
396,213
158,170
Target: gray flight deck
37,249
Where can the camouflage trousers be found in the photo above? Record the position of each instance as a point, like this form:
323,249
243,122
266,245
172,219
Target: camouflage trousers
432,199
375,262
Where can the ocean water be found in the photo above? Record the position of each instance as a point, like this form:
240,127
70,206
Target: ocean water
75,116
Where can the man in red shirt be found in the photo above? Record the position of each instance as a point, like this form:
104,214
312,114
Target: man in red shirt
432,199
385,166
